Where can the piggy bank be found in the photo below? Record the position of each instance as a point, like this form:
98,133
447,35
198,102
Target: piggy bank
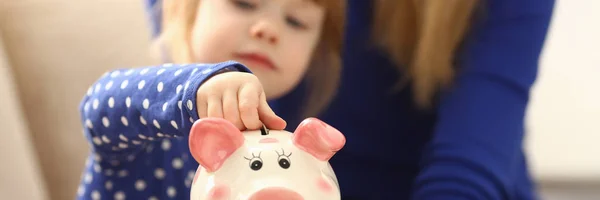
264,164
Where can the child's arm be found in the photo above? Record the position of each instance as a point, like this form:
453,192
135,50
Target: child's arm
125,108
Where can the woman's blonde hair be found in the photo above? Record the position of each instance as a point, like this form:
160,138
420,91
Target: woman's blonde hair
422,37
323,74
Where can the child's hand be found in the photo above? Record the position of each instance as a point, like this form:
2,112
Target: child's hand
239,98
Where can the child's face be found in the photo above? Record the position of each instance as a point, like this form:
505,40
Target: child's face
274,38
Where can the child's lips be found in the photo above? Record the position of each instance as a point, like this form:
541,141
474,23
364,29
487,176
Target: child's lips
258,59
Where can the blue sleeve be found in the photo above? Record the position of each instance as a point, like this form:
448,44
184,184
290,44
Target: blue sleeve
127,107
476,148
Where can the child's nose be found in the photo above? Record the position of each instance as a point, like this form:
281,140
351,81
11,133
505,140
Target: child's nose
266,31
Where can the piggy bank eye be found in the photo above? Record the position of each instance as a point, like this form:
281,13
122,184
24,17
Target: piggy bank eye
283,159
255,162
284,162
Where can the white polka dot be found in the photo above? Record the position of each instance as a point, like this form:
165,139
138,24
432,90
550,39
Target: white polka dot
166,145
206,71
159,173
144,71
177,163
105,139
111,102
150,138
97,168
123,173
152,198
171,192
191,174
108,185
142,120
87,106
105,122
114,162
188,183
141,84
142,136
95,195
159,87
156,124
88,123
98,86
149,148
97,157
159,134
128,102
129,72
88,162
123,145
140,185
190,105
160,71
191,120
187,84
179,104
124,84
146,103
135,142
165,106
108,85
174,124
109,172
124,121
95,104
115,74
178,72
120,195
194,71
89,91
179,87
122,137
97,140
88,178
130,158
80,190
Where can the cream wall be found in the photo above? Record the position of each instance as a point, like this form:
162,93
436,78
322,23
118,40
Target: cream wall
56,49
19,169
564,116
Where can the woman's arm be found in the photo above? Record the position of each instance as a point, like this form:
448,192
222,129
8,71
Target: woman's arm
478,140
127,107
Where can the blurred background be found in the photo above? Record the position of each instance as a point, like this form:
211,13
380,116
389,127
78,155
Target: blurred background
52,50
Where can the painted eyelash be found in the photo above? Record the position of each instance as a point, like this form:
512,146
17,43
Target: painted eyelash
283,153
253,156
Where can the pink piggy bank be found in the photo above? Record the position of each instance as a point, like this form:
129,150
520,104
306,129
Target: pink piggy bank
262,164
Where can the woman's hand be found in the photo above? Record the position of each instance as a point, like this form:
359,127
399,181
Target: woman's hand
239,98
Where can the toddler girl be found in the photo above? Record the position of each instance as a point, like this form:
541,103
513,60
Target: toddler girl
137,120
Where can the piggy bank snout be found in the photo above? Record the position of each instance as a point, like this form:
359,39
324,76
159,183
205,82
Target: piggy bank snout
275,193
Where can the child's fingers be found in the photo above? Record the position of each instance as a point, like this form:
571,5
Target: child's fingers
215,107
230,109
248,106
267,116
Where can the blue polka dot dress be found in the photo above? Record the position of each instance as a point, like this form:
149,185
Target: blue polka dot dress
137,122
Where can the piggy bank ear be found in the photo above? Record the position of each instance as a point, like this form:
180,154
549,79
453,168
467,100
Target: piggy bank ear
318,138
212,141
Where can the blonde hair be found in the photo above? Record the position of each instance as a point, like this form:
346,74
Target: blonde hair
323,74
422,36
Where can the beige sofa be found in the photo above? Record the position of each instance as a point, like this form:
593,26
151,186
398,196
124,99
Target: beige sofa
50,52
